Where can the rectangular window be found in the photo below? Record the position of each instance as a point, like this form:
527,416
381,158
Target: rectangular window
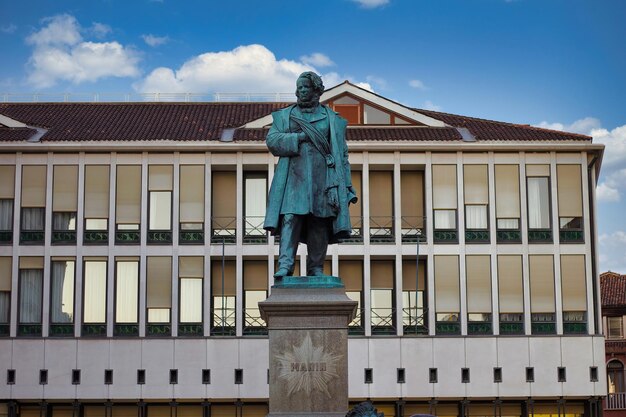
62,291
95,291
511,294
128,197
615,327
569,193
33,203
538,189
381,205
356,213
97,197
412,198
255,276
64,201
223,288
507,198
444,197
191,276
447,292
255,201
224,206
574,293
159,289
542,301
6,263
126,290
351,272
382,296
413,289
7,196
160,178
191,202
476,192
30,290
478,273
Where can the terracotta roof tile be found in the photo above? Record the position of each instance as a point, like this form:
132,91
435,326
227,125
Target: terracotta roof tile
613,289
205,122
16,133
374,133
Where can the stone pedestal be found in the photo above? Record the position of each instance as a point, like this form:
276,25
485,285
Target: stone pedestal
307,320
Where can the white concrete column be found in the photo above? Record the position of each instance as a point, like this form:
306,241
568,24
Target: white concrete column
110,312
558,300
587,191
17,200
78,266
397,213
525,263
461,234
239,239
175,248
430,270
495,300
45,305
206,288
143,250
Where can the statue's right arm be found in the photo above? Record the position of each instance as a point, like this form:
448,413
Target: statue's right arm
279,140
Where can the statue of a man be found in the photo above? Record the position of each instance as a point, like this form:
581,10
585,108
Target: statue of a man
312,186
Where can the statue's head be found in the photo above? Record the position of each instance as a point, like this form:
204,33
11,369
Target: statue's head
309,88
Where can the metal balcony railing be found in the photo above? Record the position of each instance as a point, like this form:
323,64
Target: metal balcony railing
224,229
414,320
223,323
254,232
381,229
413,229
356,235
253,323
616,401
383,321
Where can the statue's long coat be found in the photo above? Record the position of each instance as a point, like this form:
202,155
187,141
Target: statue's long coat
282,142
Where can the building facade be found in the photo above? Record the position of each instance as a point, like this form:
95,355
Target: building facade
613,289
132,261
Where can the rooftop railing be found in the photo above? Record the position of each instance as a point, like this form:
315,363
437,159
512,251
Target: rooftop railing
144,97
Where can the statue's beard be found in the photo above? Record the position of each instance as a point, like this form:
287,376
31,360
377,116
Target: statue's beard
311,102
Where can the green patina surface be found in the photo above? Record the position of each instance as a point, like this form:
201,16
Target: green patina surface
322,281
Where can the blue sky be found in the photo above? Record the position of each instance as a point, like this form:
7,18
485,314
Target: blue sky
557,63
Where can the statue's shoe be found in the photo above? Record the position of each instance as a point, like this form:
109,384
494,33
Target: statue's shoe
316,273
282,272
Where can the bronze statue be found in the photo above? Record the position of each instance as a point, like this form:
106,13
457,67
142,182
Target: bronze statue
364,409
312,186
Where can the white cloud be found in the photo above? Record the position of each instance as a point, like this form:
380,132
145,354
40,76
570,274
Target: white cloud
317,59
613,250
154,41
100,30
371,4
607,193
61,54
418,84
245,69
8,29
429,105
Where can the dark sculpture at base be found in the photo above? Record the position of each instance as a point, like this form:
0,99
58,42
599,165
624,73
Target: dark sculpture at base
312,186
364,409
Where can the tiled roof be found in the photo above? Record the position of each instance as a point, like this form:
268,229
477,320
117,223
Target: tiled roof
135,121
490,130
206,121
375,133
11,134
613,289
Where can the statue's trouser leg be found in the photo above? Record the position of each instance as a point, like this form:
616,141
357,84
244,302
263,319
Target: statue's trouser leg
317,244
289,239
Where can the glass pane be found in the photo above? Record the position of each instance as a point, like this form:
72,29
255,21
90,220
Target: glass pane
63,221
33,218
571,222
160,210
355,296
31,295
95,292
190,300
476,217
447,317
253,314
6,214
128,226
96,224
445,219
5,304
615,327
158,315
538,203
413,308
126,291
255,203
62,292
192,226
382,305
512,224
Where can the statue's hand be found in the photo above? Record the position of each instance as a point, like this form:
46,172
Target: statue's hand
302,137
